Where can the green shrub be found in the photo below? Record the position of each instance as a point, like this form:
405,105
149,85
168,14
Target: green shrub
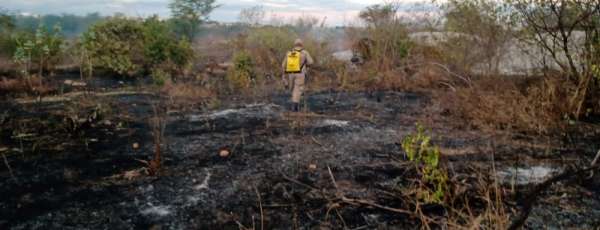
132,46
160,45
159,76
427,161
7,44
241,73
42,49
116,44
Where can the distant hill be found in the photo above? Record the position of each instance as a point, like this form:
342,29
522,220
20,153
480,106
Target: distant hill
72,25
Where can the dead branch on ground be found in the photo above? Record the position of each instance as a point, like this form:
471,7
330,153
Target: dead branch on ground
530,199
339,197
262,215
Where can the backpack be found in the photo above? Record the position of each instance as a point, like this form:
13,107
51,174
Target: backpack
294,64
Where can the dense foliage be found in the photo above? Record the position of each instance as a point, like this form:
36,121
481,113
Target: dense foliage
132,46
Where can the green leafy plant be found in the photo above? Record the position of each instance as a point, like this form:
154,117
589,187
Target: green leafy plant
42,48
23,54
426,158
240,74
159,76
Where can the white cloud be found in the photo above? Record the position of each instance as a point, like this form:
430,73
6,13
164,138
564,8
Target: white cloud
336,11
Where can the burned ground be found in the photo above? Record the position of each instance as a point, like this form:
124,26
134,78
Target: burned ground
277,174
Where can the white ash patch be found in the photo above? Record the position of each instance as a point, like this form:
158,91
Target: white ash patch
204,184
251,110
223,113
159,211
331,122
529,175
345,55
193,199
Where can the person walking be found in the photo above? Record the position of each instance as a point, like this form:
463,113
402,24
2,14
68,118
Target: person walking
295,67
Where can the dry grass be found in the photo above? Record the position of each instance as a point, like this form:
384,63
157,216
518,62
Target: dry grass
33,85
501,103
483,193
185,95
6,64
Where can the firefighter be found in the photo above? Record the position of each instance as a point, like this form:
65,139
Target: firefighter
295,67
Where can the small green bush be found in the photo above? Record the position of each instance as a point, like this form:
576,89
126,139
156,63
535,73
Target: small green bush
427,160
241,73
43,48
159,77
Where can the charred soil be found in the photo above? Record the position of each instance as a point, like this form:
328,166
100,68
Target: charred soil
338,164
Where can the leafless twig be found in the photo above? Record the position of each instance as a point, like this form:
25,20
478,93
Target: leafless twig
262,215
596,159
9,168
332,179
595,162
346,200
359,202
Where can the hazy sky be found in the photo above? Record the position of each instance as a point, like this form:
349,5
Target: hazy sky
337,11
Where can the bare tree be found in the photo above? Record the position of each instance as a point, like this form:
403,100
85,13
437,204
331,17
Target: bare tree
553,25
252,16
480,31
386,42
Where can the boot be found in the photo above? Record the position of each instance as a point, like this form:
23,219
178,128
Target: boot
296,107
